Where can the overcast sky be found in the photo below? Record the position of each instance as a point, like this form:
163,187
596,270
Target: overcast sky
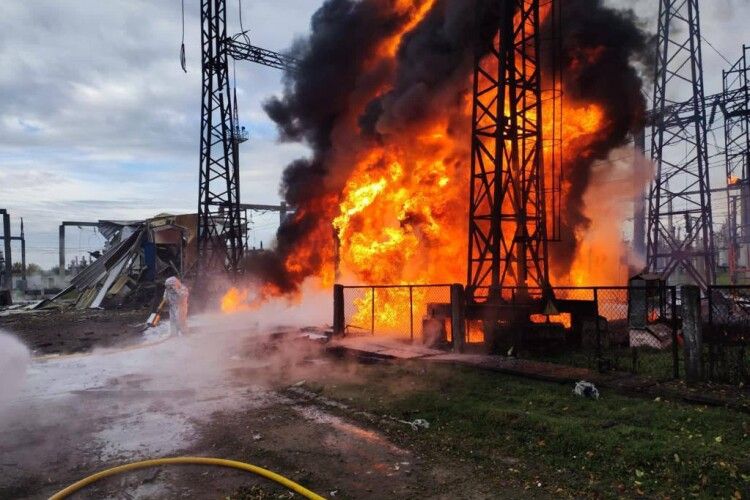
98,121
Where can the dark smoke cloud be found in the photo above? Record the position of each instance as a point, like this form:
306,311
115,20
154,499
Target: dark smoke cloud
599,45
344,33
430,75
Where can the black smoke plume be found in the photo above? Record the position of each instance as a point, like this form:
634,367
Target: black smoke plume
431,74
599,48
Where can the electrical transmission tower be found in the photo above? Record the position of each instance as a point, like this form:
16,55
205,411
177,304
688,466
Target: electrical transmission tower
221,224
507,218
680,226
219,227
736,109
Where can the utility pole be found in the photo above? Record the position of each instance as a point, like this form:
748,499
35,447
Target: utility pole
507,217
22,238
7,268
680,225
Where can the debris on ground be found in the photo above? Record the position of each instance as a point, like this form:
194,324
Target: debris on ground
417,424
138,256
586,390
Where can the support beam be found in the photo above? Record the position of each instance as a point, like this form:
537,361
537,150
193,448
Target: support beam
7,271
23,256
639,203
61,236
281,208
507,215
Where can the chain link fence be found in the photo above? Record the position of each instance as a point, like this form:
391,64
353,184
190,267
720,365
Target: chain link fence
726,357
406,312
606,340
604,328
642,330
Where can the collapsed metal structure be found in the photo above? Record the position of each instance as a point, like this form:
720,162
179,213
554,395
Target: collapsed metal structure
680,223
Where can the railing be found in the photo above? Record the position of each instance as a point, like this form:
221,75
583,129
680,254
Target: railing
600,337
398,311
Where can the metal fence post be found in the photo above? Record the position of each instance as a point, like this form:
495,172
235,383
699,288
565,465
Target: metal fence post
599,364
411,313
338,310
675,346
692,332
372,318
458,319
711,345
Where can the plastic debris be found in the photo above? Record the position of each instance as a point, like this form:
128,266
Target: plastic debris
417,424
586,390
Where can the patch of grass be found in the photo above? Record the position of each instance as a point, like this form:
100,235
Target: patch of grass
541,432
657,364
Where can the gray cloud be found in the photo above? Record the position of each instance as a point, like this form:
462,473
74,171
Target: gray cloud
97,120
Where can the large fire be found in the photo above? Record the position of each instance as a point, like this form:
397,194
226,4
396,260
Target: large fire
402,212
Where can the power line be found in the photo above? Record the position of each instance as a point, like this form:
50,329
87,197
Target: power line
715,50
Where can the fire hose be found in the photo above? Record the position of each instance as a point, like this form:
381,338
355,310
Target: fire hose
254,469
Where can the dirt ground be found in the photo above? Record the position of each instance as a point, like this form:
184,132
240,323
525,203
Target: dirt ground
55,332
225,392
344,427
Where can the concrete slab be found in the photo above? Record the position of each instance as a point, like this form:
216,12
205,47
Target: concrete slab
384,347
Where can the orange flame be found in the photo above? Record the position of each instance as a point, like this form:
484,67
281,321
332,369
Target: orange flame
402,216
235,300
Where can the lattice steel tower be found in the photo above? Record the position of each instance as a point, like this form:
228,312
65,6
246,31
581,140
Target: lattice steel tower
507,218
680,226
220,225
736,110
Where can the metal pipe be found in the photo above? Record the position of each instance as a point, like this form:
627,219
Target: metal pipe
61,254
8,273
372,319
23,256
411,313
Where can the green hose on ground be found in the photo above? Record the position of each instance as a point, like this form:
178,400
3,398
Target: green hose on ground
287,483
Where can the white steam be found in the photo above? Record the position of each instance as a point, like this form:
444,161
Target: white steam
14,361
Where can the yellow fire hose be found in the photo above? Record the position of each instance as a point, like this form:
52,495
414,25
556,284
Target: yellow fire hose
254,469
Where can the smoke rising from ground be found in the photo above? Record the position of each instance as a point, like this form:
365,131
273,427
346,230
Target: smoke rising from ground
347,98
599,47
14,361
